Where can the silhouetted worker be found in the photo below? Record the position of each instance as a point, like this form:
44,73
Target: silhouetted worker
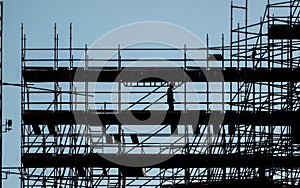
170,98
254,54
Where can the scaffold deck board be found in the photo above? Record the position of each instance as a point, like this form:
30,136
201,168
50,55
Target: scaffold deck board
39,160
229,183
131,74
263,118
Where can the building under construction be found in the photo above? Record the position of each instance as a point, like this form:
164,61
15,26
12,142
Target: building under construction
74,136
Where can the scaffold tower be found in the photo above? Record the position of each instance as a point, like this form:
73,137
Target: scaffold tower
72,136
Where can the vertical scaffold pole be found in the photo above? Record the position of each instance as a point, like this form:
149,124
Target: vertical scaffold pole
1,82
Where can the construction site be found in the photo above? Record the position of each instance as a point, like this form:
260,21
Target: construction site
91,121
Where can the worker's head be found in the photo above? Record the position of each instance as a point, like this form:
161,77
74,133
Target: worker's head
171,85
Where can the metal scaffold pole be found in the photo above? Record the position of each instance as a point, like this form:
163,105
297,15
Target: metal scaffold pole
1,89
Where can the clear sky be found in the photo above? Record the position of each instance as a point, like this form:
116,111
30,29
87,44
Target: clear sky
91,19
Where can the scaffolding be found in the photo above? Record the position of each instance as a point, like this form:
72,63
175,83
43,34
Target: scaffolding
257,142
1,83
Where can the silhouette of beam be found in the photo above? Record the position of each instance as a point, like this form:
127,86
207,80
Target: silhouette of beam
131,74
36,160
264,118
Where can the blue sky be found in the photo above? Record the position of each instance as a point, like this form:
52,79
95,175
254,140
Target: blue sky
91,19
